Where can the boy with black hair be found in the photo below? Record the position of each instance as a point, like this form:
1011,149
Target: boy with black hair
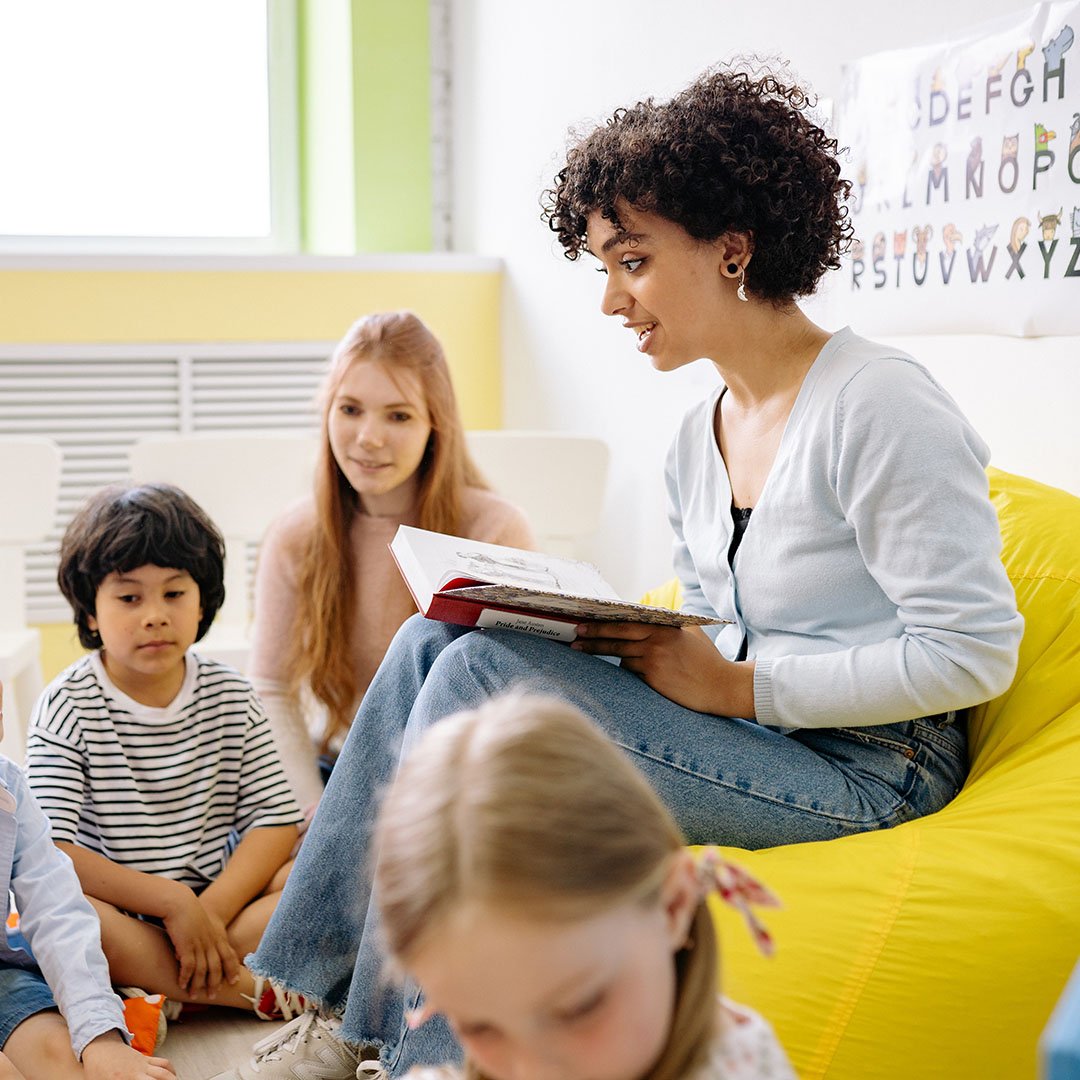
156,766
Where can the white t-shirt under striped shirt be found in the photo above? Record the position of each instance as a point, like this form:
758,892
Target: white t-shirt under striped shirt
166,791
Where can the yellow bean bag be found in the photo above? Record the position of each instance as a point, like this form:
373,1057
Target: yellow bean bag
938,949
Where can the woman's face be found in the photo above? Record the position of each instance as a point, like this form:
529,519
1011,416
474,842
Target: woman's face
532,999
666,286
379,428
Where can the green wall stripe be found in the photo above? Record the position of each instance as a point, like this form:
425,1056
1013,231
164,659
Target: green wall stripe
303,191
392,125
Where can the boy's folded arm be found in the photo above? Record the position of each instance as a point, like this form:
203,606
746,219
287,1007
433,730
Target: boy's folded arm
257,858
127,889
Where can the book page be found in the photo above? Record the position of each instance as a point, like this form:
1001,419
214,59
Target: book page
452,557
582,608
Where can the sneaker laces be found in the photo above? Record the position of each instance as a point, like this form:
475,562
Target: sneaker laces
288,1037
287,1004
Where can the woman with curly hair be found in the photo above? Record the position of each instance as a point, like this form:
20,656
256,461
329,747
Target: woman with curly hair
828,501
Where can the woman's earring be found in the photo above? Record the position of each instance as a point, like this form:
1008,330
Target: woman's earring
741,291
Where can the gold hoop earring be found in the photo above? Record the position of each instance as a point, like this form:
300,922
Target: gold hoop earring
741,291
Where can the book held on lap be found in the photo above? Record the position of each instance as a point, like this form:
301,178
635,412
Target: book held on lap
470,583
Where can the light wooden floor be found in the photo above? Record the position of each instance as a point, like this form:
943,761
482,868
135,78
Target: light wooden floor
206,1044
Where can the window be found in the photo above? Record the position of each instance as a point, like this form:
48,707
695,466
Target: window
136,125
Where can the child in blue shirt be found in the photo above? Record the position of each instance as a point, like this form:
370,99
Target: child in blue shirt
67,969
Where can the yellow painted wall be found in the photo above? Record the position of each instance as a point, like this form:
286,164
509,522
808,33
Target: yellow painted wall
91,306
118,306
59,647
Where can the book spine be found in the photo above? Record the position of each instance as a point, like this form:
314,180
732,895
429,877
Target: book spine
537,625
471,613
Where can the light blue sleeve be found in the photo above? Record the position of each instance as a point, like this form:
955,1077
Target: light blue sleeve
909,474
60,925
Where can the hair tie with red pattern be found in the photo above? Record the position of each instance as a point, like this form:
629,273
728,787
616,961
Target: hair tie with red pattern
740,889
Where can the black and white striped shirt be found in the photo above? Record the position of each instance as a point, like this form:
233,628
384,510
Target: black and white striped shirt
165,791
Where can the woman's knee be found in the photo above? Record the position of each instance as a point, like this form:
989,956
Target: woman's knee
418,632
477,665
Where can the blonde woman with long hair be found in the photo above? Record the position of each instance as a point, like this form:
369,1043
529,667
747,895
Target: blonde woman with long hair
328,598
536,888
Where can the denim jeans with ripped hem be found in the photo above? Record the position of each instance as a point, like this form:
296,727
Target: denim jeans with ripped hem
725,780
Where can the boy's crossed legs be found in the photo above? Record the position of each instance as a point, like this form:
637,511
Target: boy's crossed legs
141,953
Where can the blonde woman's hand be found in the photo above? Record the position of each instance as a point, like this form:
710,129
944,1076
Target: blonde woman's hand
108,1057
680,662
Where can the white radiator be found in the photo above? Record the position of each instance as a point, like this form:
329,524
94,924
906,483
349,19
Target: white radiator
96,400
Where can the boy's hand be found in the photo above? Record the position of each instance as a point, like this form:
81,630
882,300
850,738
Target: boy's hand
201,946
230,962
108,1057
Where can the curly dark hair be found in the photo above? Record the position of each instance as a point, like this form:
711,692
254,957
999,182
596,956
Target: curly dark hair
122,528
734,152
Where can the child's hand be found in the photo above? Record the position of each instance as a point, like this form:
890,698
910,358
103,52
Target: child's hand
108,1057
201,946
230,962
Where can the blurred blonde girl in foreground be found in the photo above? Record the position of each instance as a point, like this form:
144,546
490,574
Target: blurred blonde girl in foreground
537,890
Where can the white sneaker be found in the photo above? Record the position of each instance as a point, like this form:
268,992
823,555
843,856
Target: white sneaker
307,1048
371,1070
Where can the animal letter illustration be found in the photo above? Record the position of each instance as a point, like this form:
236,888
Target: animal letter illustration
1018,234
983,236
1057,48
1043,137
1049,223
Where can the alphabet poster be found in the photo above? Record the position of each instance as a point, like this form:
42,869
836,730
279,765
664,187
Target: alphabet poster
964,159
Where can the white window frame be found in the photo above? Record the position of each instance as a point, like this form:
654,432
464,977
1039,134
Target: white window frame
284,235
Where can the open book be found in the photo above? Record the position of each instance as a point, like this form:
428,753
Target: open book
475,584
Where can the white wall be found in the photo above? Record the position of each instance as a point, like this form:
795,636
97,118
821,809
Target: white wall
523,75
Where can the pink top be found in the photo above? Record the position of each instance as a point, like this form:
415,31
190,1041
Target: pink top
382,604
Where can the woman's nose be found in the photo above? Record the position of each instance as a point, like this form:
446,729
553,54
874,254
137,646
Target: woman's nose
369,433
615,298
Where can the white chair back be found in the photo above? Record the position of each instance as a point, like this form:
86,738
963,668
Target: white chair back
558,480
29,495
243,482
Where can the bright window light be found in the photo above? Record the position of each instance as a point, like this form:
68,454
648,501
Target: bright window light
134,118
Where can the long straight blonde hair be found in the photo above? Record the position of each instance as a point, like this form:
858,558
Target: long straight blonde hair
320,654
524,803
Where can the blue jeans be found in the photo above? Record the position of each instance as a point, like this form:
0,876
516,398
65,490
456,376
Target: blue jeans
726,781
23,993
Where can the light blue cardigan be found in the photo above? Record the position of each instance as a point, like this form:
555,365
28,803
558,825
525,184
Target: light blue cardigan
55,918
869,583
